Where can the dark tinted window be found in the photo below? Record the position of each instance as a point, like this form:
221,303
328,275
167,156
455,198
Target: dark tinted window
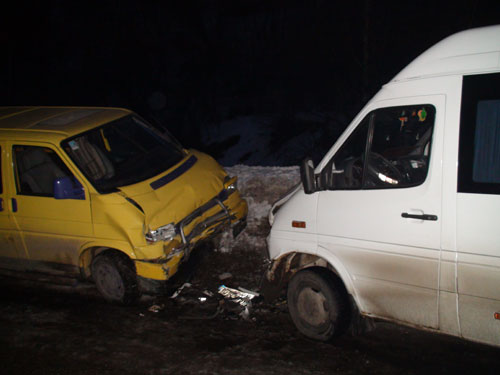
479,154
122,152
36,169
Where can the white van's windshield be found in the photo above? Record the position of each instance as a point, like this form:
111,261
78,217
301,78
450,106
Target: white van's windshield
122,152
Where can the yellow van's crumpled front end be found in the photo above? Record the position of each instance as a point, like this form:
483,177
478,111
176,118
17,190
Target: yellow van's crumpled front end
193,201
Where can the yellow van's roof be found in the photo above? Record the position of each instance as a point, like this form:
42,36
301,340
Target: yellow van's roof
53,123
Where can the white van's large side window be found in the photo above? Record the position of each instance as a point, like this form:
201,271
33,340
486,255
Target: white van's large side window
389,149
479,156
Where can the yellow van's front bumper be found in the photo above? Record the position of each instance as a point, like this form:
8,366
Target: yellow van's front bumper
225,211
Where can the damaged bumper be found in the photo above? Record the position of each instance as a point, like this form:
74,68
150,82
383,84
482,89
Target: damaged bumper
225,211
212,218
281,270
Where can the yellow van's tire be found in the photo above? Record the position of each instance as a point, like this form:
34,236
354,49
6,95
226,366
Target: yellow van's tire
318,304
115,278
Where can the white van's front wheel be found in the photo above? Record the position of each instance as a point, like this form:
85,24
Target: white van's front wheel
318,304
115,278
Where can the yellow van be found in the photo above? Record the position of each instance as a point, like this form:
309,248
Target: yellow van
99,194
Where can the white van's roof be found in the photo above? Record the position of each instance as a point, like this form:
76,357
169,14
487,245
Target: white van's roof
470,51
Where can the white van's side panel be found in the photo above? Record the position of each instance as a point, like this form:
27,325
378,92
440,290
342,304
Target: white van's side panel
478,239
398,276
285,238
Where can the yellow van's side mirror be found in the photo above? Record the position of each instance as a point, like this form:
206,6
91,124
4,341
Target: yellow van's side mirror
68,188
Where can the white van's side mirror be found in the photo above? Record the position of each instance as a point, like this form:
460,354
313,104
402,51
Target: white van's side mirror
307,176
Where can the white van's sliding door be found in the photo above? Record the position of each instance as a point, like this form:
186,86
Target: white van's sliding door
381,216
478,209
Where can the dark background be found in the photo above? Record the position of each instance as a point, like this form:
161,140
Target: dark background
193,64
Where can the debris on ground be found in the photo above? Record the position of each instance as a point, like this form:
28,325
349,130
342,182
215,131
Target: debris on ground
156,308
251,292
200,304
238,297
179,290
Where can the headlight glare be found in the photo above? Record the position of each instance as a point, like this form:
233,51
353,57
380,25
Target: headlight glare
230,183
164,233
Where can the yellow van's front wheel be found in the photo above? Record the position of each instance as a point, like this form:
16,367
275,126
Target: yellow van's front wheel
115,277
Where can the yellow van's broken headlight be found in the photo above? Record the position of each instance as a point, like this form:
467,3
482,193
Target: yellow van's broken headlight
164,233
230,183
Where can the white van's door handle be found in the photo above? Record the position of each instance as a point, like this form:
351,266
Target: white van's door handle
406,215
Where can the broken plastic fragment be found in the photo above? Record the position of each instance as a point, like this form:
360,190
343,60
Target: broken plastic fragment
245,314
248,291
178,291
208,293
156,308
243,298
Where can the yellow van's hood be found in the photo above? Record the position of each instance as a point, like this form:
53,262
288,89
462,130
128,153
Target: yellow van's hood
175,193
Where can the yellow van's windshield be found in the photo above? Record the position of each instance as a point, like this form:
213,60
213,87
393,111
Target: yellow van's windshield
122,152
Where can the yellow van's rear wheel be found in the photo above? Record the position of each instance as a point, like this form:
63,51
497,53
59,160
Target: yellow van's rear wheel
115,277
318,304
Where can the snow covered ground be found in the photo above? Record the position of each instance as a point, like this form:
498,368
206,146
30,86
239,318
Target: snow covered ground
261,187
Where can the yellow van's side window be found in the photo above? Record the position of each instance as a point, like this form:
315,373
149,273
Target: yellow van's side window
36,170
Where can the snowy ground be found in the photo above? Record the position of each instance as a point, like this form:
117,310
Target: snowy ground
261,187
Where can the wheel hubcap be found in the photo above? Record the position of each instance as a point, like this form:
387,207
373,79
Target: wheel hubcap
312,306
110,282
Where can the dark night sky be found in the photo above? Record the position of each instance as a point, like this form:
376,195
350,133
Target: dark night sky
190,64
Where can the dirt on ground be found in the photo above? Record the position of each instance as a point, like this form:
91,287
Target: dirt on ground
47,329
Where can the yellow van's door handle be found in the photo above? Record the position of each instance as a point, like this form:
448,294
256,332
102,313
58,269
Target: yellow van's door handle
406,215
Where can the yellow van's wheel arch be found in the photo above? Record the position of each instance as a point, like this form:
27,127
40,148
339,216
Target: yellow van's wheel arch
115,277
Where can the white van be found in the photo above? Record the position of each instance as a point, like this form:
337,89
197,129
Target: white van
401,219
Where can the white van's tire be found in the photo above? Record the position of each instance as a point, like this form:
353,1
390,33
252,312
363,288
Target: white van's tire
115,278
318,304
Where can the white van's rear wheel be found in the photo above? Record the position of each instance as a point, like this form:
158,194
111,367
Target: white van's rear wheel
318,304
115,278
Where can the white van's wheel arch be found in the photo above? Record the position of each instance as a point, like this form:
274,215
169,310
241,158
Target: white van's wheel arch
335,265
286,265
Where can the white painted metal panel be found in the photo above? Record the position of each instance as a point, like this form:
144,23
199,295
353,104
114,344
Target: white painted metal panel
393,261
